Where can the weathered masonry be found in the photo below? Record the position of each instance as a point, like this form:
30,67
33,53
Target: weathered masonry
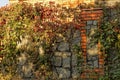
93,58
65,59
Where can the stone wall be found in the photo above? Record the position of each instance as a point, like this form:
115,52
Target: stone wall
66,48
65,57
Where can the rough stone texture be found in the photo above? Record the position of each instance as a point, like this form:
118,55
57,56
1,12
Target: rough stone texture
62,54
89,22
57,61
95,23
92,51
63,46
64,59
63,73
75,73
74,60
66,62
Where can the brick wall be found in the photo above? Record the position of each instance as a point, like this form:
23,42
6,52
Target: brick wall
93,58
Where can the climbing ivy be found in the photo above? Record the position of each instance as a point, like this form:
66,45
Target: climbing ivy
108,36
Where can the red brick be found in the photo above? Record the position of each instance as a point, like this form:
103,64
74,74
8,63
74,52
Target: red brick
97,70
83,41
92,15
84,46
98,12
84,37
85,13
82,30
100,15
87,18
101,57
84,50
83,75
95,18
101,62
84,54
82,25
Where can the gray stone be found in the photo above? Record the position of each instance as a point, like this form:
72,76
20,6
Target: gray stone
76,34
57,61
66,54
94,27
62,54
59,39
74,60
75,73
95,57
96,63
89,22
55,74
68,33
90,63
58,54
94,23
63,46
89,57
76,41
63,73
88,27
66,62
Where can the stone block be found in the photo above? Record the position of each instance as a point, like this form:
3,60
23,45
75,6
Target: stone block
66,54
94,27
59,39
66,62
62,54
96,63
89,22
63,46
94,23
89,57
68,33
75,73
95,57
90,63
88,27
76,41
57,61
63,73
76,34
74,60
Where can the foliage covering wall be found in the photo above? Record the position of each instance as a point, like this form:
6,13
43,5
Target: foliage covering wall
40,24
